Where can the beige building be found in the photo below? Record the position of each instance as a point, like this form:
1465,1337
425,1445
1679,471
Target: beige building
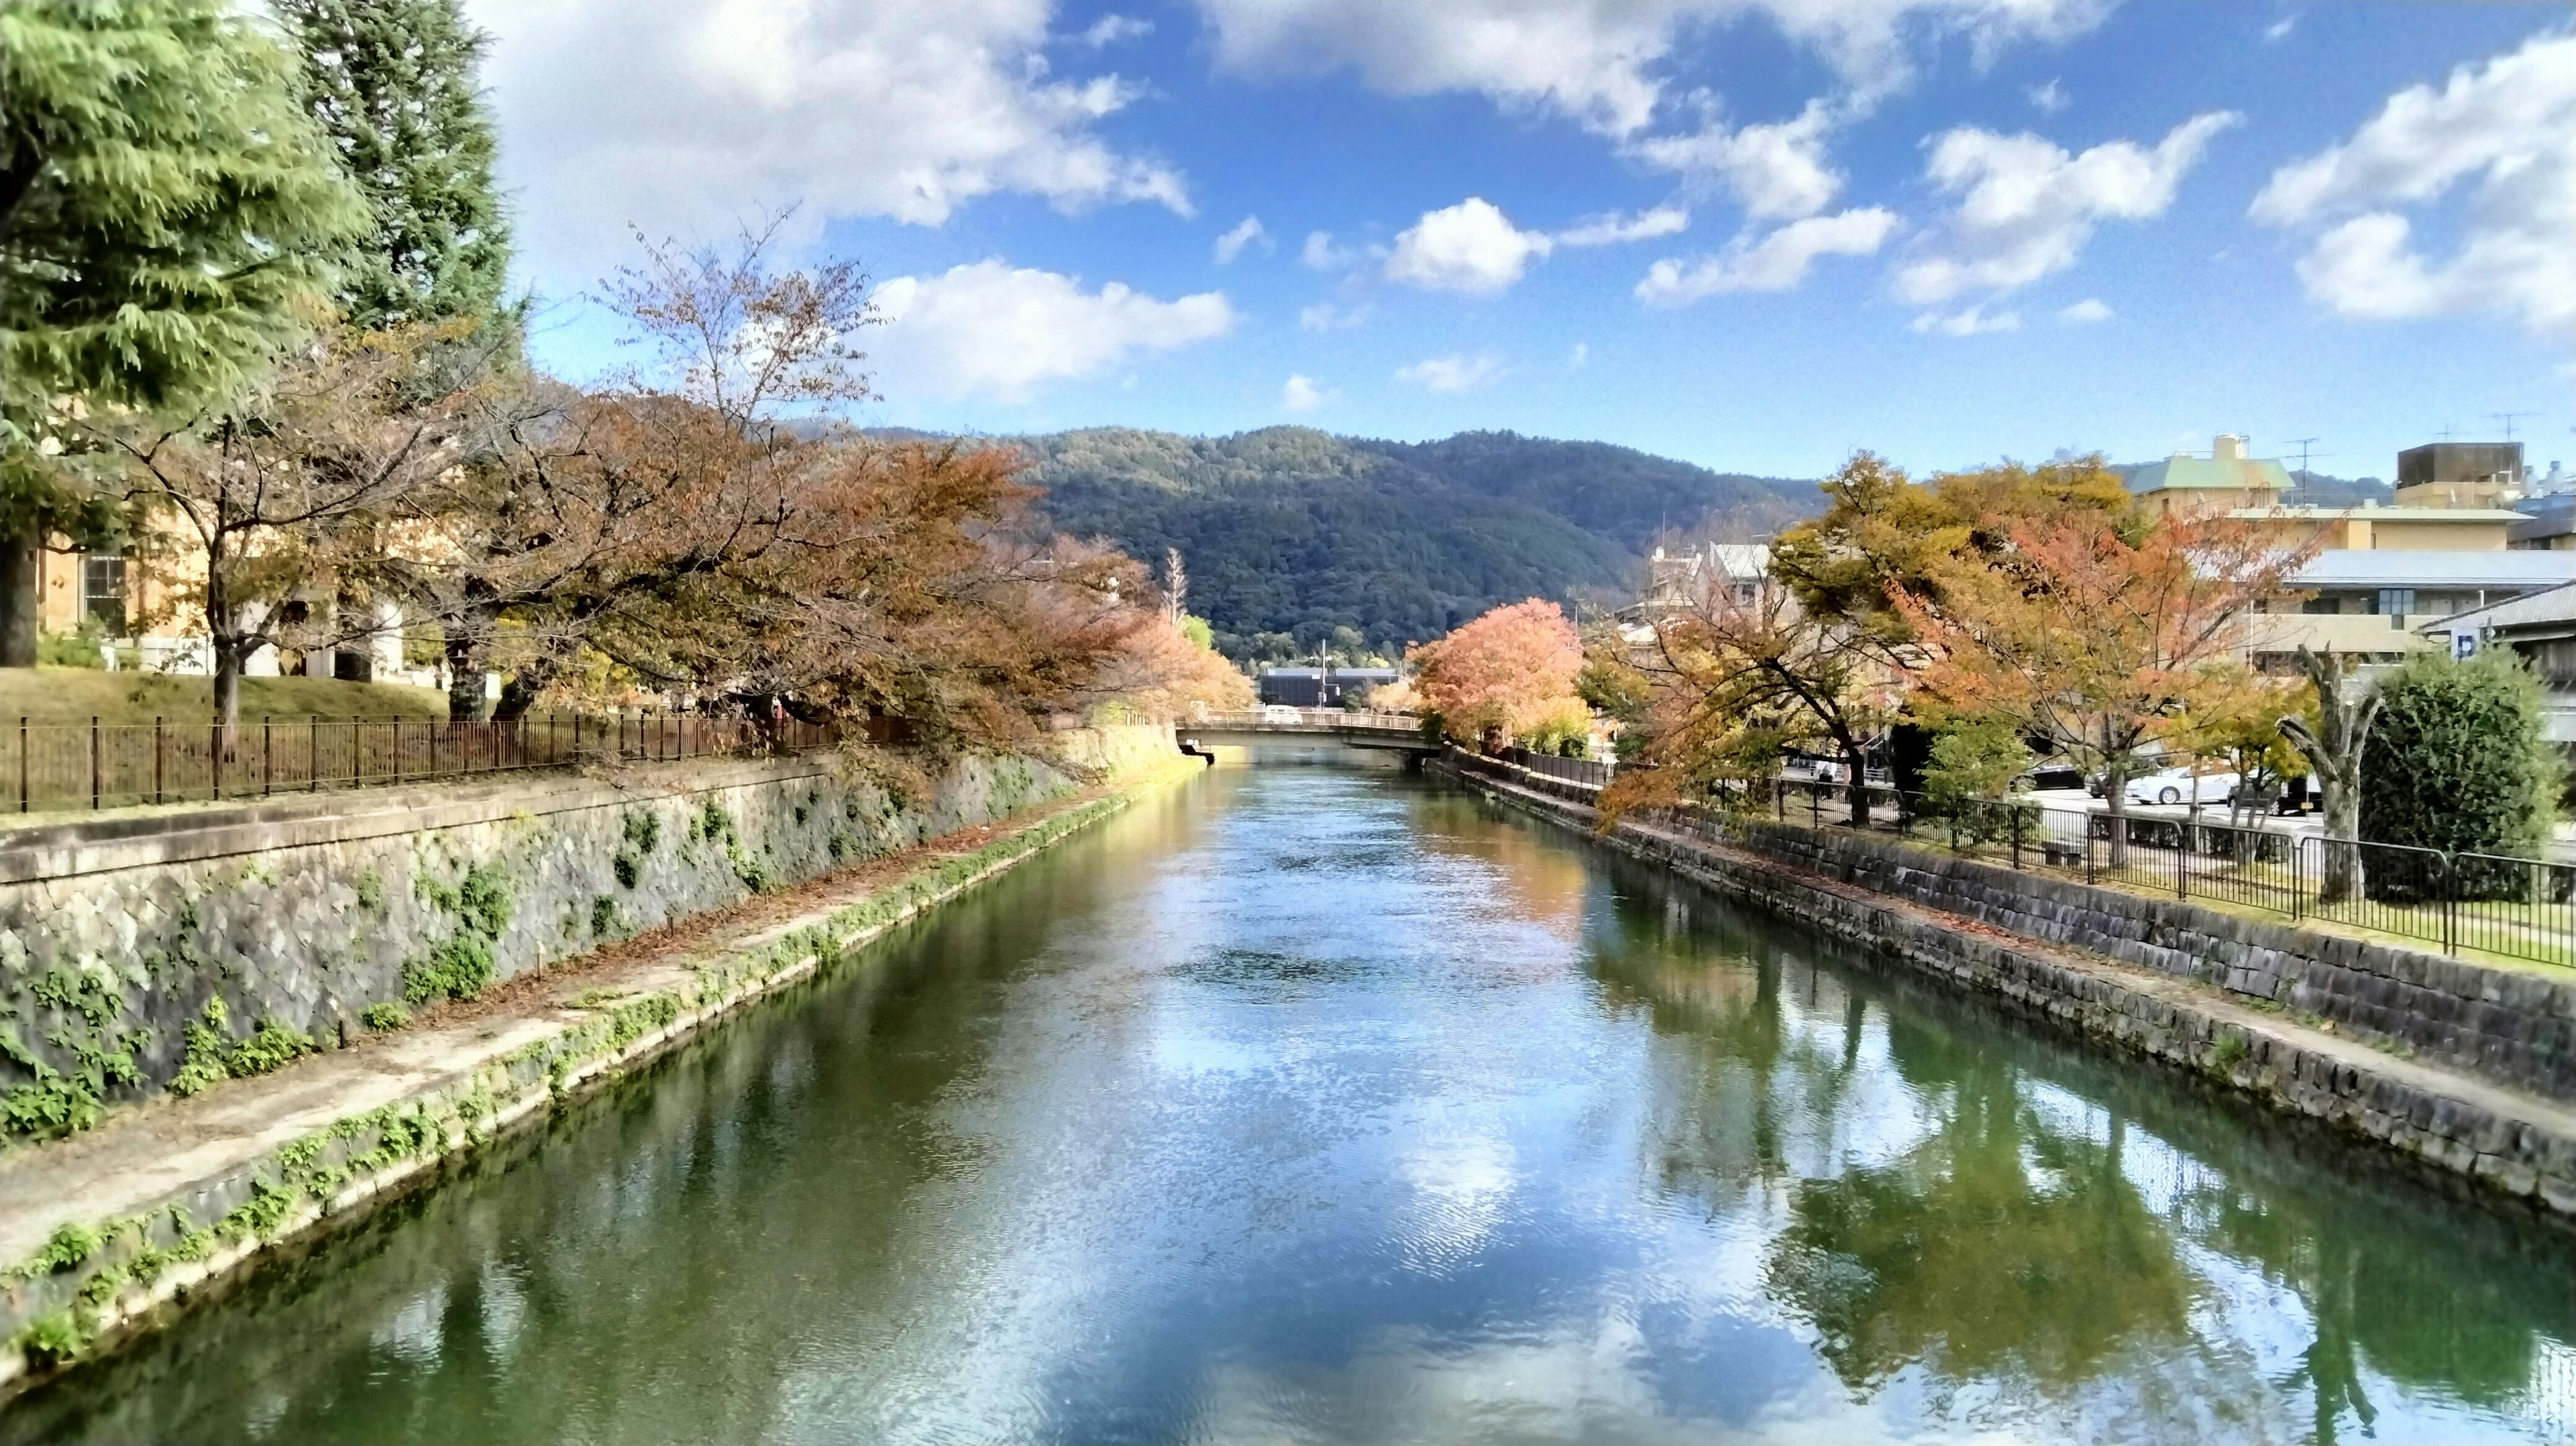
147,620
2254,489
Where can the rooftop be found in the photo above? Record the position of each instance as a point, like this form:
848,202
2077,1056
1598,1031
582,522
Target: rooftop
2225,469
2556,605
2436,568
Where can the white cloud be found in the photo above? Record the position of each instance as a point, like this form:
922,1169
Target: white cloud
1776,168
2087,312
1775,262
1323,253
1302,395
1325,316
1597,62
1245,232
1614,229
2507,129
2026,207
1969,321
2279,30
990,329
1454,373
686,116
1581,354
1108,30
1471,247
2050,98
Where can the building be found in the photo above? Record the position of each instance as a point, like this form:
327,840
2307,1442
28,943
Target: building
2253,490
2460,474
1325,687
145,618
2378,604
2541,628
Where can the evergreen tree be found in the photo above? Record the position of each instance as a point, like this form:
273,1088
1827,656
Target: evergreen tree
2458,762
166,219
391,83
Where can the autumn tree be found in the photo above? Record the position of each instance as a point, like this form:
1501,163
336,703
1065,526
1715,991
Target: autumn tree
1740,676
271,491
1502,673
1882,532
2091,641
167,216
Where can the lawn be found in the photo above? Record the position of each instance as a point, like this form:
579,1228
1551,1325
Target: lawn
75,695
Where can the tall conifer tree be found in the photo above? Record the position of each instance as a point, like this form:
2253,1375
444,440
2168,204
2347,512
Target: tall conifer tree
167,218
392,84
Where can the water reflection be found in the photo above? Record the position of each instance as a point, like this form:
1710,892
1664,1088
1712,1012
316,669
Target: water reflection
1310,1106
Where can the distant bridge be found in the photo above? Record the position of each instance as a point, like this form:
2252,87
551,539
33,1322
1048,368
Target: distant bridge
1396,732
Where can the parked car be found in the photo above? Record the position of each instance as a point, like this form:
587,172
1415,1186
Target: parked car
2050,776
2185,785
1280,713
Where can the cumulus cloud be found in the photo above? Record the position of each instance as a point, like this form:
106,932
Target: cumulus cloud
2086,312
1471,247
1597,62
684,116
993,330
1302,395
2505,130
1777,169
2026,207
2050,98
1454,373
1244,233
1968,321
1777,261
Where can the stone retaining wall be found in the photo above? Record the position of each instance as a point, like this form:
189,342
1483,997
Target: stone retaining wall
117,935
2521,1146
2514,1027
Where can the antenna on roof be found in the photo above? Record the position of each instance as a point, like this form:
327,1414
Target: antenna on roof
2509,418
2303,444
2448,431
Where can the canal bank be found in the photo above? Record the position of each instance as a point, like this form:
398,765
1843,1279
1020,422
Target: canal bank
113,1230
2512,1144
1306,1105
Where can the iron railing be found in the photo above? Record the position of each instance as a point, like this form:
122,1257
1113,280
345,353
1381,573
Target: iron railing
92,765
1572,770
2516,907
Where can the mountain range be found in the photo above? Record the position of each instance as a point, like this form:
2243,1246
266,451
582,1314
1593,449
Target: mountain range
1297,540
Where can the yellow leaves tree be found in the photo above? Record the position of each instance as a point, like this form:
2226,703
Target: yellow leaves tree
1503,674
2099,644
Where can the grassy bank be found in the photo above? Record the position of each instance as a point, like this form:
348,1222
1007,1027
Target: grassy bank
75,695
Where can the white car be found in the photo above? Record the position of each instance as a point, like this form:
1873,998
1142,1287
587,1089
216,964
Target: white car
1281,713
2183,785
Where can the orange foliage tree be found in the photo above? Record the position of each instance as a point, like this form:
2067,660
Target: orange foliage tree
1502,674
2099,645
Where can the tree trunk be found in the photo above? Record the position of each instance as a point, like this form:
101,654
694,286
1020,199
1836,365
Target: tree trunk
1859,766
519,691
2342,876
21,602
468,647
2115,793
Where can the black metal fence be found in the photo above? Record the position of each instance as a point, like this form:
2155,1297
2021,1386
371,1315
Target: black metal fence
1572,770
2517,907
55,766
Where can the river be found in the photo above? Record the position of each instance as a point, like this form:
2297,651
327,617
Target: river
1314,1103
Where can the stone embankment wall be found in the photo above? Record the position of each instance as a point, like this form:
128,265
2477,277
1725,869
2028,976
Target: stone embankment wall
2127,971
121,938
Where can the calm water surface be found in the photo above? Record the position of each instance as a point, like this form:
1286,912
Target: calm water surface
1306,1104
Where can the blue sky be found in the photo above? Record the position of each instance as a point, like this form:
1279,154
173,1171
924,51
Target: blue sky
1757,234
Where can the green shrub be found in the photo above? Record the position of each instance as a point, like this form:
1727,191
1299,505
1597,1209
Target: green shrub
628,869
208,1043
1972,765
72,650
385,1016
603,916
2458,762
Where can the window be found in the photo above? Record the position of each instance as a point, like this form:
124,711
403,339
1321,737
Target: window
2393,602
2322,605
103,592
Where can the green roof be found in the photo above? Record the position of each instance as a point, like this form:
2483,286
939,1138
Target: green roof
2232,474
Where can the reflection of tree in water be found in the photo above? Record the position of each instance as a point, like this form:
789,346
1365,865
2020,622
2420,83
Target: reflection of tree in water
1996,1248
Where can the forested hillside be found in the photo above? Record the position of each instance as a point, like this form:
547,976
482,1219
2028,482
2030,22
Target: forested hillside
1298,539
